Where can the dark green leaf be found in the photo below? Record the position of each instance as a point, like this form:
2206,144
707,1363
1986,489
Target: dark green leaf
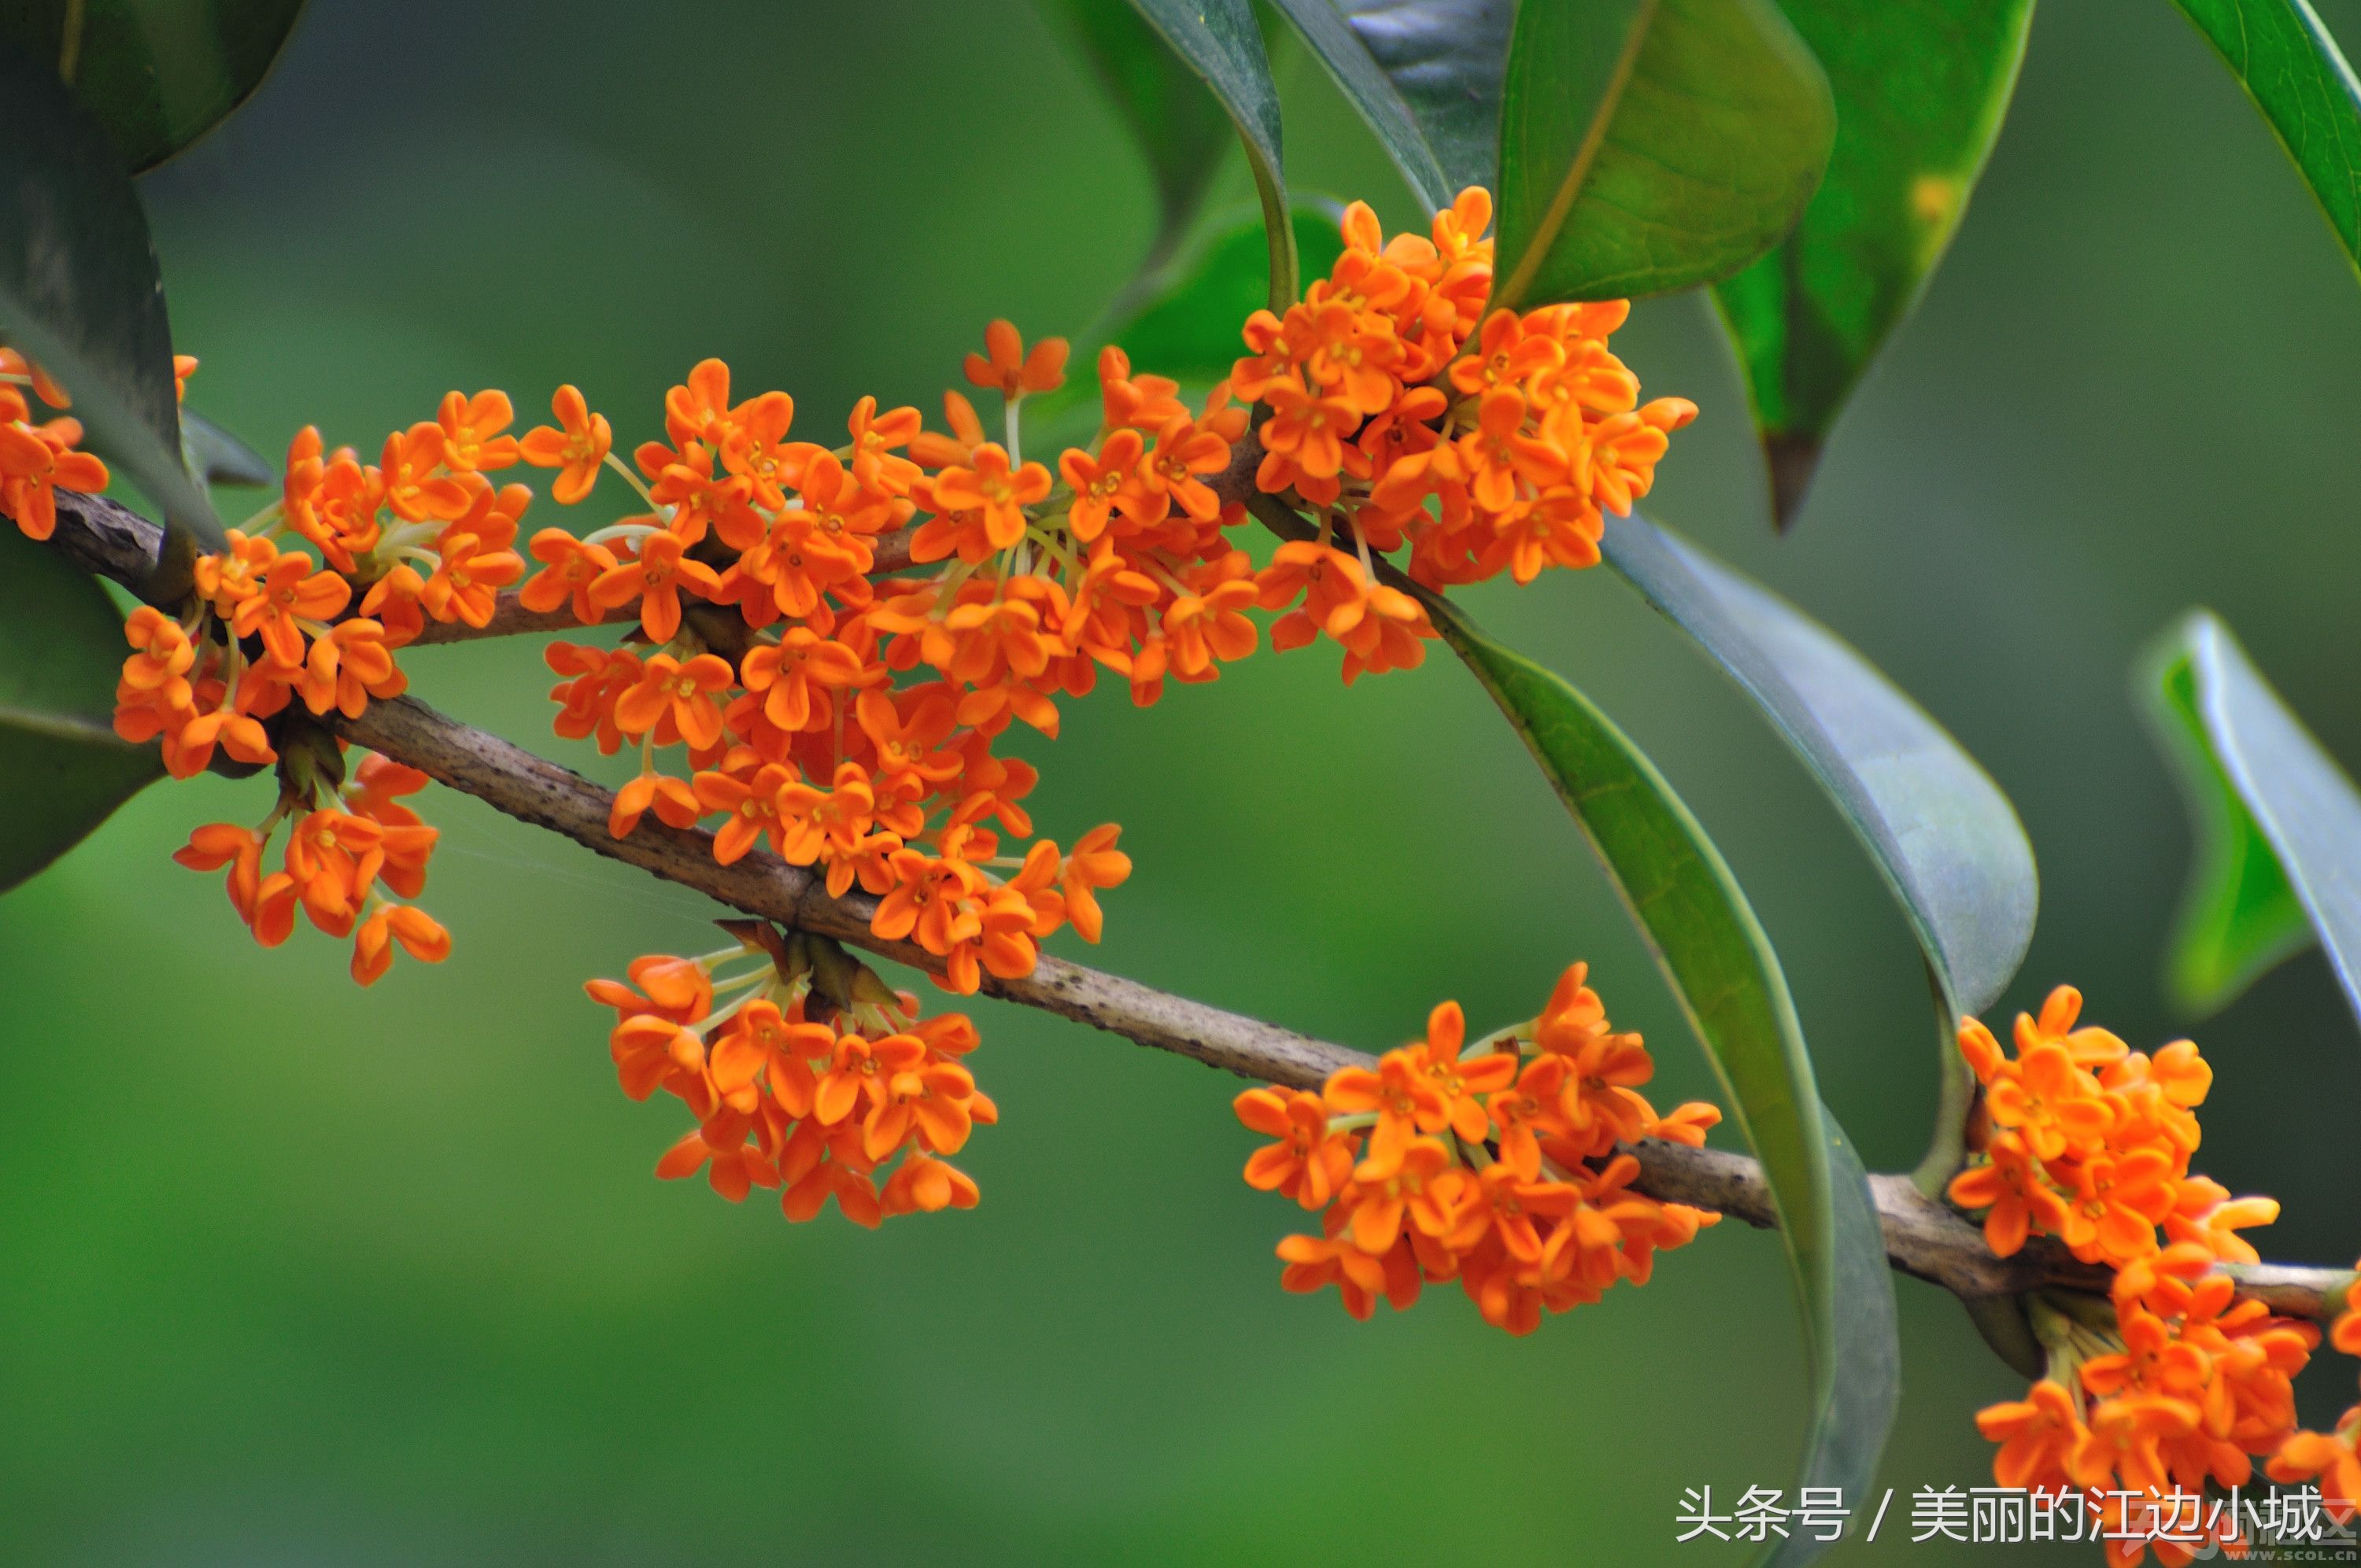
1179,126
63,768
1941,832
1728,983
2277,824
79,291
1652,145
1853,1411
157,74
1425,74
1221,42
218,457
1921,87
2282,55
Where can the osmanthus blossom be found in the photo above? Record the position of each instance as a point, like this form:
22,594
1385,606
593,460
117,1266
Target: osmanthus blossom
2175,1381
1486,1164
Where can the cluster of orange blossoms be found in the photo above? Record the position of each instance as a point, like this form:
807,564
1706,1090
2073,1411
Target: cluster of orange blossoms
847,717
810,1078
1496,453
2176,1381
1499,1169
307,606
36,460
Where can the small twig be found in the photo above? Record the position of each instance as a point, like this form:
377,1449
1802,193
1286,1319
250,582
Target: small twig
1922,1237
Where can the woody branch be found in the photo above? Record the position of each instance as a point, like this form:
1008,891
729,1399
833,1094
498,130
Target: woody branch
1922,1237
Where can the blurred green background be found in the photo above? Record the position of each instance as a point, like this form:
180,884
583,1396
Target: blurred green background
294,1273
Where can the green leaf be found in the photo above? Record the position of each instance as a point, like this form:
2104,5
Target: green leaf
1921,87
1941,832
1221,42
1425,74
1853,1410
1652,145
157,74
217,457
2277,824
1723,972
63,768
1179,126
2282,55
78,291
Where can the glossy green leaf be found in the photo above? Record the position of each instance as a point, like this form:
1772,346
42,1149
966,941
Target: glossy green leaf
1941,832
2277,824
63,768
157,74
217,457
1179,127
2282,55
1652,145
1723,972
78,291
1425,74
1221,42
1921,87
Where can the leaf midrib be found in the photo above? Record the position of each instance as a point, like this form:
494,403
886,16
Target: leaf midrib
1578,172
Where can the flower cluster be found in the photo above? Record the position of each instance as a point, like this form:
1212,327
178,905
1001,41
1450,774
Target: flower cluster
2176,1381
36,460
804,1072
1497,1168
343,845
1496,454
2084,1139
300,615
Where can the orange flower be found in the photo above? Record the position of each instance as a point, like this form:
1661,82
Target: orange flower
2006,1186
289,600
753,802
568,569
35,462
1005,365
161,656
1097,481
1168,476
418,486
1406,1103
421,936
1422,1186
655,579
472,427
1462,1082
468,577
2052,1103
795,676
2036,1435
1304,436
2114,1206
1306,1163
996,493
673,802
348,666
671,698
